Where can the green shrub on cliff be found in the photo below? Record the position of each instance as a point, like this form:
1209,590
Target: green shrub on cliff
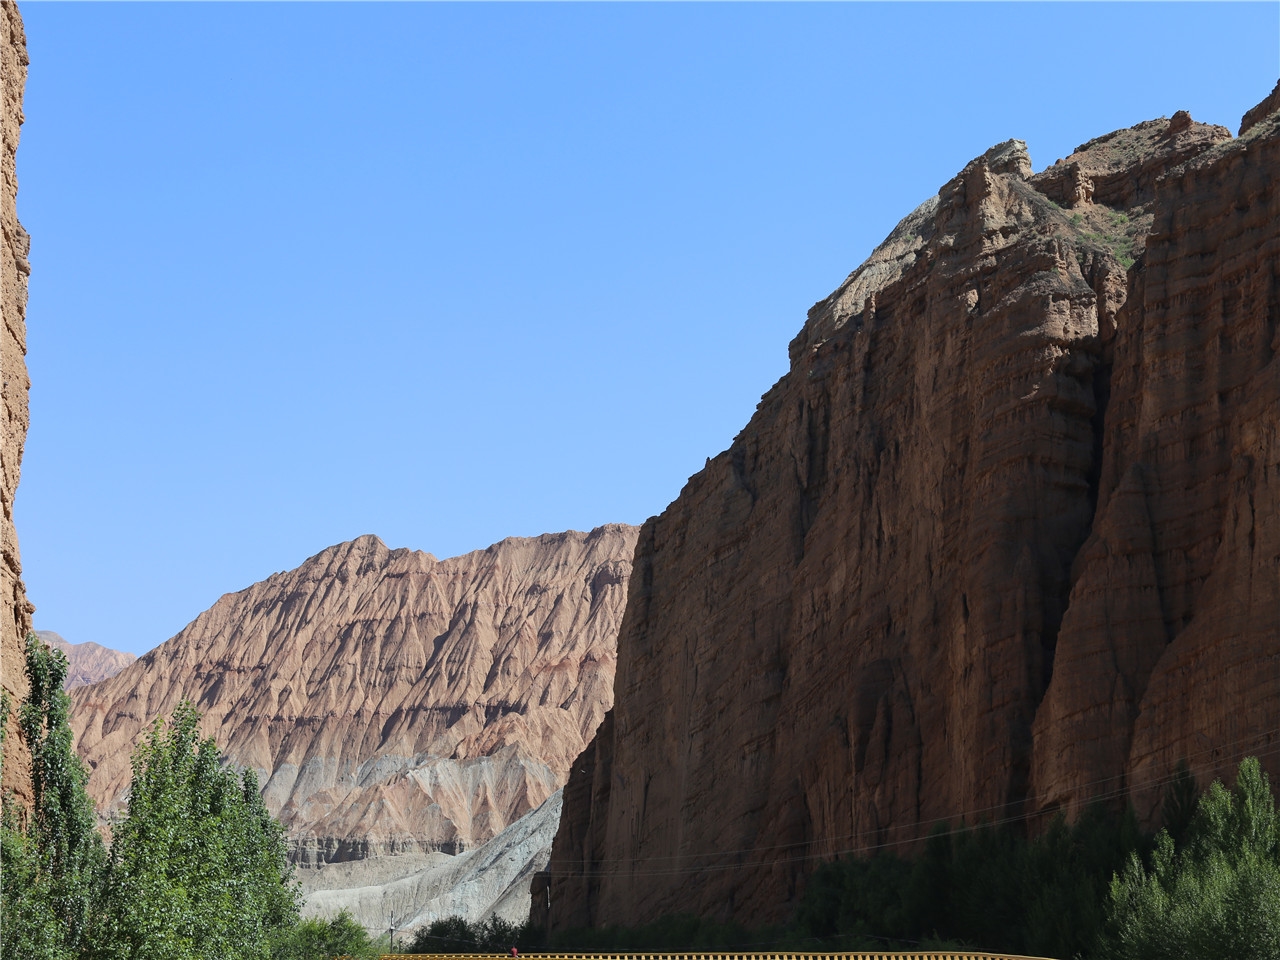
456,935
988,886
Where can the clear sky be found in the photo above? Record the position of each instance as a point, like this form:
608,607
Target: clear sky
452,273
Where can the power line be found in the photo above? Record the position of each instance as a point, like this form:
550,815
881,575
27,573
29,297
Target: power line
1112,794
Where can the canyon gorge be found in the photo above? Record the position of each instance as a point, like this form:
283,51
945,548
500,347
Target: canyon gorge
1003,542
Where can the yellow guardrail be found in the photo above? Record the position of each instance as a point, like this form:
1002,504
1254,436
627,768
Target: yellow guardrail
886,955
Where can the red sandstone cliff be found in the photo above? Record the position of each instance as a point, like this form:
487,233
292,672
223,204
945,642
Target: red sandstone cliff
390,702
15,609
1004,538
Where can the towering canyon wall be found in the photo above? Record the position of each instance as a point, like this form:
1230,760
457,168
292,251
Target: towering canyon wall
15,619
1002,541
392,704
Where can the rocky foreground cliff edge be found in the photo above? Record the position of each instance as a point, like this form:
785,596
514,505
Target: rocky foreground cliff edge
15,609
1004,540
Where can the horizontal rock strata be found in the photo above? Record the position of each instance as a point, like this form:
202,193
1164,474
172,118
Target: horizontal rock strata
1001,542
409,892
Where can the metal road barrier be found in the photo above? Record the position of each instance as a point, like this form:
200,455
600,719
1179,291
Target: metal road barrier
899,955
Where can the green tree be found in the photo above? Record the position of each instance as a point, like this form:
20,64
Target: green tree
316,939
51,864
456,935
198,868
1216,896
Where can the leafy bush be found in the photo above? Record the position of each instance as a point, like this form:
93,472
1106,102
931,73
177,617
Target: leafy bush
986,886
456,935
315,939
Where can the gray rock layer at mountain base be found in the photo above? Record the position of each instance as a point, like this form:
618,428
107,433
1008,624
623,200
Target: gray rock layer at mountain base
408,892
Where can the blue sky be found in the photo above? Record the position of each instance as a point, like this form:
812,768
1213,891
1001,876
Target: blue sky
451,273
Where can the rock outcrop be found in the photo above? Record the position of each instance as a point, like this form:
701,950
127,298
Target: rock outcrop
391,703
87,662
1002,541
409,892
15,618
1170,647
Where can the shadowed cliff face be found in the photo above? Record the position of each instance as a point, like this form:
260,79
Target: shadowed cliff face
1171,644
926,581
390,702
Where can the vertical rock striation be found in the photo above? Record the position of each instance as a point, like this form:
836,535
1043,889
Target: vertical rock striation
15,620
1014,499
1170,649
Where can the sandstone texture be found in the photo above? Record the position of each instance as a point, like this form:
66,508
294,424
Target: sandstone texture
391,703
15,618
1004,540
87,662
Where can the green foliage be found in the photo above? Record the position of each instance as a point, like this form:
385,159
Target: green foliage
1218,895
456,935
198,868
985,886
51,864
316,939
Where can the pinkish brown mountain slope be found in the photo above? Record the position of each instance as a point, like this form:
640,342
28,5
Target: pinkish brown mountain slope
87,662
1004,539
390,701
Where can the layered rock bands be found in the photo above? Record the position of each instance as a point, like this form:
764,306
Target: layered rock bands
390,702
1003,542
15,609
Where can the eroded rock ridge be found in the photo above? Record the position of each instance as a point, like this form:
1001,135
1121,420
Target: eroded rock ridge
87,662
1004,540
390,702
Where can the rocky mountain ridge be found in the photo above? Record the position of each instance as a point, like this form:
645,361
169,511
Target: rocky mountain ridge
391,703
1002,541
87,662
